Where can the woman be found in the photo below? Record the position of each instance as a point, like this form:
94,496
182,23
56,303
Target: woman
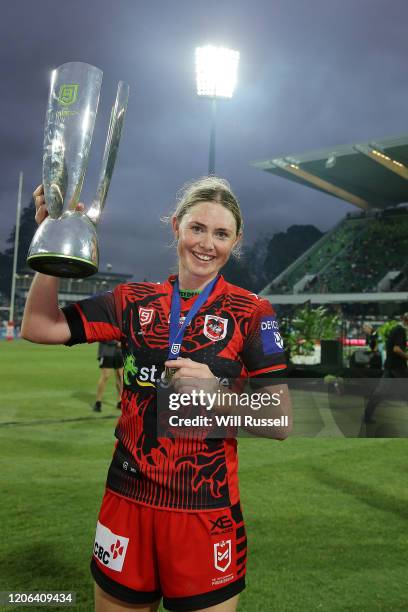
170,524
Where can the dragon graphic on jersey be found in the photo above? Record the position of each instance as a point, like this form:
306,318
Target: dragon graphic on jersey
209,468
129,367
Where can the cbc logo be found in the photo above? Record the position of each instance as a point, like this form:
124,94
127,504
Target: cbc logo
269,325
102,554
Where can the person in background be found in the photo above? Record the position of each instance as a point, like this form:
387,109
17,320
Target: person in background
374,355
371,336
110,358
395,368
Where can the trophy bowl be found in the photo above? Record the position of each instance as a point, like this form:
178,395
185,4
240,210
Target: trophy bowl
65,247
66,243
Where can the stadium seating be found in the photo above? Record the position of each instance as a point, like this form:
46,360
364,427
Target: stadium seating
361,254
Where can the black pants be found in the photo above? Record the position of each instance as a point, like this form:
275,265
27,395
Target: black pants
391,386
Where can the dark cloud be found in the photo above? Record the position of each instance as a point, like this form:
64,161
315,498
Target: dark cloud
312,74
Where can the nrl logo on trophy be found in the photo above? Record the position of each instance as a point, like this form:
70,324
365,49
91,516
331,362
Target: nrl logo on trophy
66,243
68,94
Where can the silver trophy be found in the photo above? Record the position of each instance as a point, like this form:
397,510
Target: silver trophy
66,243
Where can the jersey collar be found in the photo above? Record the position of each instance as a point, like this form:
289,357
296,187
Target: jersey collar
219,289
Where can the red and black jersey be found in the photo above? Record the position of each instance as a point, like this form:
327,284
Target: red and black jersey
235,333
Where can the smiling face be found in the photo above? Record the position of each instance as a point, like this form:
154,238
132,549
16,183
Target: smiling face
206,235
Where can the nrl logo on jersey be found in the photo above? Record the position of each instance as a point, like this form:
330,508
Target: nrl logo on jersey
215,328
222,555
145,315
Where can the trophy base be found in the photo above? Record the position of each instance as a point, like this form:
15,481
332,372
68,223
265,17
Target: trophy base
66,247
55,264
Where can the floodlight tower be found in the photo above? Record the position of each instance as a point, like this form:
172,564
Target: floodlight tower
216,77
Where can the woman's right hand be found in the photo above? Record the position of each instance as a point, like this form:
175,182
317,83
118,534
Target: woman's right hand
41,211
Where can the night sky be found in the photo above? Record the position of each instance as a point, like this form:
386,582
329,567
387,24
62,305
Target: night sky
313,74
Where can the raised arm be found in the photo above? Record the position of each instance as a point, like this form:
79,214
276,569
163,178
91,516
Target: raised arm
43,320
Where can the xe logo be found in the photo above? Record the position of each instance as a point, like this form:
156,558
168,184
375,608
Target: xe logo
116,549
222,555
222,522
68,94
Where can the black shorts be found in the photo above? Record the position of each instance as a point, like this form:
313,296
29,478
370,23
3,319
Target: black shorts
114,362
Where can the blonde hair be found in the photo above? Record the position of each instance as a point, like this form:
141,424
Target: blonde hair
209,189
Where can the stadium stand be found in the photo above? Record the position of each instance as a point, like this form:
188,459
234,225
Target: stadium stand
71,290
361,254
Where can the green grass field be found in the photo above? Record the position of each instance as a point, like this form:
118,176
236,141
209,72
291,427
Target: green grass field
326,517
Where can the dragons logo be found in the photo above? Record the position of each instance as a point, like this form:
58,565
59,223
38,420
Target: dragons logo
215,328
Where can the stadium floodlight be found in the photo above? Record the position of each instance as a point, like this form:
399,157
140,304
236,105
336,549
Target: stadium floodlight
216,71
216,77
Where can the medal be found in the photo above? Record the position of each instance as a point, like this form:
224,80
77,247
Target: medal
168,374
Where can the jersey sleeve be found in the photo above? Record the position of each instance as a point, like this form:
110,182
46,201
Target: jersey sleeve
263,353
95,319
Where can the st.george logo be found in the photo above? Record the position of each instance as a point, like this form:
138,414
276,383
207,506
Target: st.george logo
215,328
144,376
68,94
222,555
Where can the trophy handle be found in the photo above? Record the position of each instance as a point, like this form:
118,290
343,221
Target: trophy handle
111,150
69,124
